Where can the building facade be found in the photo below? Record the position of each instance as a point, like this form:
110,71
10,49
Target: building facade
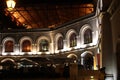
93,40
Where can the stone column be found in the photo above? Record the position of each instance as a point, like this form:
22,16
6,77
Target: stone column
78,41
17,48
95,62
34,49
65,45
51,48
82,60
107,46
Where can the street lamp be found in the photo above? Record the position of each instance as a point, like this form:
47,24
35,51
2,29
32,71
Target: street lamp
10,4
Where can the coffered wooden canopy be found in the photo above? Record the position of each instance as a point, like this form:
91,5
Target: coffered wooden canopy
29,14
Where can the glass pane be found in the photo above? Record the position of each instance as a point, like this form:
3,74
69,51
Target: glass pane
26,46
9,46
43,45
73,40
60,43
87,36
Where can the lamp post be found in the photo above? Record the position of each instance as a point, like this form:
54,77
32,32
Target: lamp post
10,4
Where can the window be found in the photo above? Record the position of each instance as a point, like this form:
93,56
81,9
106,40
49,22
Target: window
88,36
9,46
26,46
73,40
60,43
43,45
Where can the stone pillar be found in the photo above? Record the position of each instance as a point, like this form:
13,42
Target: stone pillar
78,41
107,46
82,60
18,48
65,45
34,49
51,48
95,62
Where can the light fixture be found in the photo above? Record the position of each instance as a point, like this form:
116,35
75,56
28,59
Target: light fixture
10,4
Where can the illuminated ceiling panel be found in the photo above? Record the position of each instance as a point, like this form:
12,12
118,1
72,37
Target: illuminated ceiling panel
46,14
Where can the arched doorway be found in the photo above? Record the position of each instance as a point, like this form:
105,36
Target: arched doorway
73,56
8,64
87,60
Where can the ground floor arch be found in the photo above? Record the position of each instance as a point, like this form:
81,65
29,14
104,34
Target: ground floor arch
8,63
87,60
73,56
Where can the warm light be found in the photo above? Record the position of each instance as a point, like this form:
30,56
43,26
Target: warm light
4,53
91,77
21,53
57,51
47,52
10,4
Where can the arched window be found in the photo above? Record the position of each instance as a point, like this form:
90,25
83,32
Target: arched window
43,46
73,40
26,46
88,36
60,43
9,46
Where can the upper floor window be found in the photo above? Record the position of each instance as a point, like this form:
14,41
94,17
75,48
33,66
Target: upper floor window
88,36
26,46
73,40
9,46
60,43
43,46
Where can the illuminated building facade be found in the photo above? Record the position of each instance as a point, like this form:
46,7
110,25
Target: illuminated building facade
87,39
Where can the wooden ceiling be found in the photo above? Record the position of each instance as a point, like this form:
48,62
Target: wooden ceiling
31,14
